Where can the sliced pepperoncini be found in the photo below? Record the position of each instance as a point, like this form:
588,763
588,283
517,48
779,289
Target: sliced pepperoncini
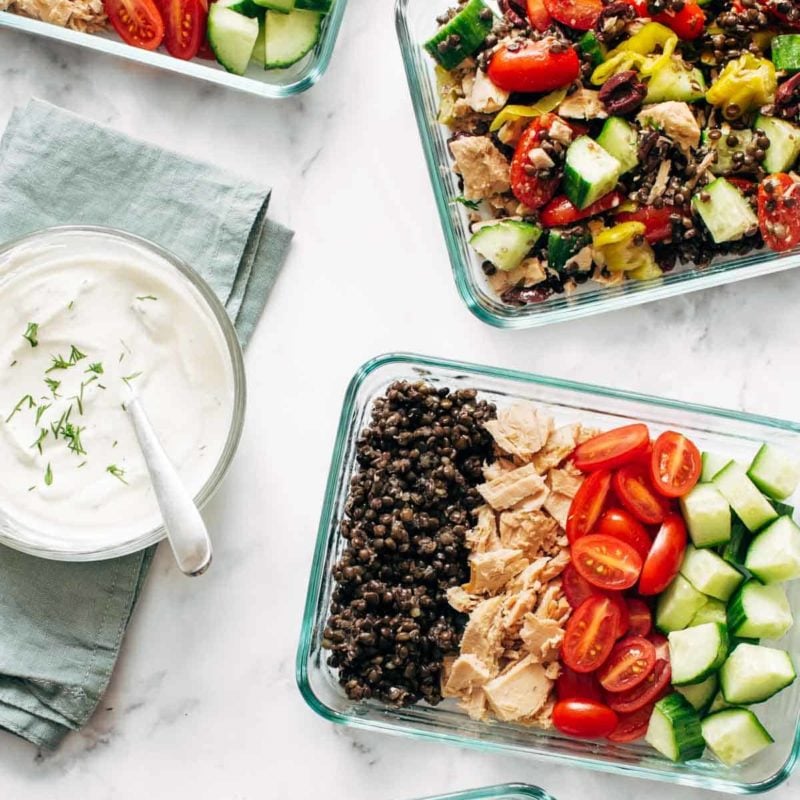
623,248
743,85
647,52
542,106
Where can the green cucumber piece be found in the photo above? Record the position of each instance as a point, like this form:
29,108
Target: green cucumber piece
589,172
774,555
786,52
712,464
676,81
707,514
619,138
470,26
754,673
675,730
290,37
507,243
783,509
726,212
735,550
695,653
713,611
323,6
249,8
677,605
700,695
718,703
563,245
735,735
259,55
710,574
281,6
784,143
232,37
591,47
725,163
744,497
760,612
775,472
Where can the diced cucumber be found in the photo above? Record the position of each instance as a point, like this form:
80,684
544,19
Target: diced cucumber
249,8
281,6
725,163
710,574
786,52
676,81
259,55
784,143
590,46
725,211
718,703
707,514
677,605
754,673
290,37
700,695
695,653
323,6
621,140
589,172
775,472
563,245
735,735
774,555
749,504
735,550
675,730
507,243
713,611
461,36
783,509
760,612
712,464
232,37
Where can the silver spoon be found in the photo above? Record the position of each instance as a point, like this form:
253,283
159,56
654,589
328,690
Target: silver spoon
186,530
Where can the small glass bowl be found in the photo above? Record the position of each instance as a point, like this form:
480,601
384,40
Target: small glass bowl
506,791
70,237
274,83
728,432
416,22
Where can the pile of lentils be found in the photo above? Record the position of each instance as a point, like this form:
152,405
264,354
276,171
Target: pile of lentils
407,513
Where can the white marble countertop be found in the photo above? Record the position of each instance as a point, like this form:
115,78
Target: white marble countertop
203,703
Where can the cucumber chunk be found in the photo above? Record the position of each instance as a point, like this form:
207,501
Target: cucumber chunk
753,673
290,37
259,54
784,143
783,509
713,611
590,47
712,464
726,212
507,243
323,6
710,574
718,703
774,555
232,37
675,730
281,6
749,504
695,653
621,140
786,52
249,8
707,514
775,472
676,81
590,172
470,27
760,612
735,735
735,550
677,605
726,163
563,245
700,695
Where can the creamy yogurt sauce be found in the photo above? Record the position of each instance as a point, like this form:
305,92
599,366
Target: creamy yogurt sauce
81,326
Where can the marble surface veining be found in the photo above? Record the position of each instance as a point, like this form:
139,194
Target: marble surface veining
203,703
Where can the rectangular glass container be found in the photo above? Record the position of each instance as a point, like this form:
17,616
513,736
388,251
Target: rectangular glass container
273,83
416,22
726,432
508,791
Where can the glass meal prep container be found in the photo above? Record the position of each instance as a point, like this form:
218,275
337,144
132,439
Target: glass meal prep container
416,23
507,791
728,432
273,83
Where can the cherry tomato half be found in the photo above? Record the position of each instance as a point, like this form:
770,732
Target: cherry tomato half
138,22
538,15
571,685
579,14
651,689
606,562
779,222
641,620
621,525
688,23
665,557
675,465
532,190
656,221
661,644
534,67
184,25
576,588
590,634
612,448
561,211
624,615
587,505
632,486
631,727
584,719
630,662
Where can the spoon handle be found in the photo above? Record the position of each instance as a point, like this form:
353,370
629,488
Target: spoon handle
185,527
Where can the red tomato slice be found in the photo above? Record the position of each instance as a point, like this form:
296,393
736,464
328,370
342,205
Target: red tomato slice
571,685
641,620
661,644
624,526
675,465
579,14
651,689
688,23
656,221
630,662
624,615
590,634
665,557
185,26
612,448
584,719
606,562
576,588
531,190
138,22
560,211
632,486
632,726
779,211
538,15
587,505
534,67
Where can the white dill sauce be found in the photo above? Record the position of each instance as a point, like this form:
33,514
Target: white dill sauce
103,319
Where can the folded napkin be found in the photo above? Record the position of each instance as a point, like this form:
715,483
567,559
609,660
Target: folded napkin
61,624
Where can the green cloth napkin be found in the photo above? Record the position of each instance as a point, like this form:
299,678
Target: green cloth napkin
61,624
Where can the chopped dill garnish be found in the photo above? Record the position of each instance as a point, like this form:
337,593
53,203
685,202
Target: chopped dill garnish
39,411
53,385
72,434
472,205
75,355
59,362
146,297
42,436
118,473
18,407
128,378
31,488
13,363
48,476
32,334
101,386
97,368
82,464
115,443
57,428
71,304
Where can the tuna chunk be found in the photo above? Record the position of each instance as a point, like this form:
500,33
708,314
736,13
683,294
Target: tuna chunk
520,430
482,636
510,488
519,692
490,572
484,96
566,482
557,505
485,170
483,537
461,600
542,637
582,104
532,532
466,672
675,120
559,446
497,468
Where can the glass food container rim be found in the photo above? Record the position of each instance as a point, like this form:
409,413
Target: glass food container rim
236,357
505,316
311,74
501,791
324,531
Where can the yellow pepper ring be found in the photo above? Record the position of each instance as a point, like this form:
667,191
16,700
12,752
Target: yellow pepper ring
619,233
650,37
542,106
